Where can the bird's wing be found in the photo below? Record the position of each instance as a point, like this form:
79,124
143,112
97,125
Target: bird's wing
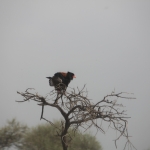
51,82
59,75
56,80
64,74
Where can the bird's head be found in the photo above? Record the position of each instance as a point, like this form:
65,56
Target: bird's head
70,75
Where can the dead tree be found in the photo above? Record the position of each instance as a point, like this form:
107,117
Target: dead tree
79,111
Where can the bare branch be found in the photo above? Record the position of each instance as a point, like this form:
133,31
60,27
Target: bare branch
78,111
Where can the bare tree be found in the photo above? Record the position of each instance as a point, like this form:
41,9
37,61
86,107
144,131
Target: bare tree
78,111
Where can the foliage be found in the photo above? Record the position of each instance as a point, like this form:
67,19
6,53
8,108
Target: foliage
43,137
85,142
12,134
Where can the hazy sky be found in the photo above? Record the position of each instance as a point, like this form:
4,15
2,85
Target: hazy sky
105,43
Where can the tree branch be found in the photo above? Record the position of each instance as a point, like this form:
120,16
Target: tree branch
78,111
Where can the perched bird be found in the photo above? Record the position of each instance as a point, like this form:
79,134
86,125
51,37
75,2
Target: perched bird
60,80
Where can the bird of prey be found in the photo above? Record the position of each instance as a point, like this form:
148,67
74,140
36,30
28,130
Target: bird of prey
60,80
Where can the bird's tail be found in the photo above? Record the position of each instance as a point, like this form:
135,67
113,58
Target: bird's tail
50,81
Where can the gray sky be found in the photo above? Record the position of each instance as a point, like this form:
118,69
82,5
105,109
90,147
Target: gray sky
105,43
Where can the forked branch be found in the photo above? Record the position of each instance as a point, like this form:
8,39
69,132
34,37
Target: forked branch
78,111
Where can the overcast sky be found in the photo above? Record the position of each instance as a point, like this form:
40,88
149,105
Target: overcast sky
105,43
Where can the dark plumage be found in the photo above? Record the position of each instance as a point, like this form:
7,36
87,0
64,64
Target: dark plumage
60,80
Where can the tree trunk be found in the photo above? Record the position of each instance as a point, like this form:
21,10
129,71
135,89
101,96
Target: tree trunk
64,133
